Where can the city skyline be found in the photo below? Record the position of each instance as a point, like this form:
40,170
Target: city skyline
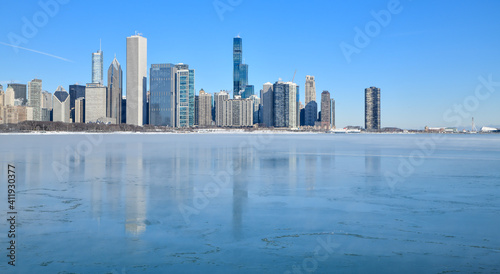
445,66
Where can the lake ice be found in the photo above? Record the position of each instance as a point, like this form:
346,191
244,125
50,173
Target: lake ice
253,203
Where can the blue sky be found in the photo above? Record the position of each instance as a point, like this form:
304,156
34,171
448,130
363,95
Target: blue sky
426,59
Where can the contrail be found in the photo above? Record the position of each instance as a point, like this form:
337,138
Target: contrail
36,51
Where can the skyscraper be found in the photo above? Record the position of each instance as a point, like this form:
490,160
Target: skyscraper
326,109
240,70
311,107
219,98
19,91
161,100
137,72
285,104
95,103
79,110
237,112
332,115
256,108
75,91
60,112
310,89
46,100
372,109
114,96
204,109
268,105
35,98
97,67
9,97
182,97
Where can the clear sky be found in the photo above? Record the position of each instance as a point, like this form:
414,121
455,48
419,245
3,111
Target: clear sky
426,58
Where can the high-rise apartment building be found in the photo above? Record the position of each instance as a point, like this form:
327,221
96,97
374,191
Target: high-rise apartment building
267,105
219,98
114,96
285,104
95,103
137,73
35,98
97,67
372,109
204,109
237,112
60,111
256,108
311,107
326,109
332,115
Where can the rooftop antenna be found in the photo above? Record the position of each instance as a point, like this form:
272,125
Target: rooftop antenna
294,75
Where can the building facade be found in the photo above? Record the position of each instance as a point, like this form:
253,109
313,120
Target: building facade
204,109
95,103
97,67
332,114
35,98
326,109
137,73
115,90
311,107
267,105
240,70
372,109
219,98
237,112
80,110
161,99
61,102
20,91
285,104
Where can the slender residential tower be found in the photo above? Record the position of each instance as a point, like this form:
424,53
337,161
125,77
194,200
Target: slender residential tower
137,72
311,107
372,109
114,96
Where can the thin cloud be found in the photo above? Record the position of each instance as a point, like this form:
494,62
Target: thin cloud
36,51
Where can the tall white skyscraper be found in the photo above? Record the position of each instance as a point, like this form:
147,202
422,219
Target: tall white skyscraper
137,73
97,67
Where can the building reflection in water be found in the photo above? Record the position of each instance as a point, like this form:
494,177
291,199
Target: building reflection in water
135,190
373,176
242,163
311,165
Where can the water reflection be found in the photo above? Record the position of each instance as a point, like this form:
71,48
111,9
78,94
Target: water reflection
136,189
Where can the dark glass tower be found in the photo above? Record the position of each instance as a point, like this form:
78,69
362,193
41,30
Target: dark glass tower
237,62
372,109
161,99
240,70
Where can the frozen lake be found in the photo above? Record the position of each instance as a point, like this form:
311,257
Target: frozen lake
253,203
